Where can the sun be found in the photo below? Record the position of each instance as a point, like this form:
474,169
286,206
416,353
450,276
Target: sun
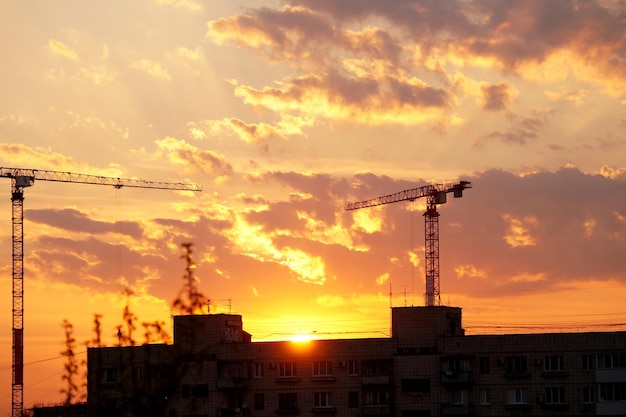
301,338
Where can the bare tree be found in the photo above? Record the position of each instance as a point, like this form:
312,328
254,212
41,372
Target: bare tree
71,365
190,300
125,330
155,331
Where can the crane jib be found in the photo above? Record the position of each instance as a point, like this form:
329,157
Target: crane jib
435,194
20,179
25,177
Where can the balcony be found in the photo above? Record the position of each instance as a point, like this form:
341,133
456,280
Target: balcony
377,410
376,380
233,412
456,410
554,374
287,379
556,407
323,378
232,383
456,378
288,411
324,410
513,374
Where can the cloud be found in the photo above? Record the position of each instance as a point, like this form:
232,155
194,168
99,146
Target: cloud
73,220
399,63
509,234
497,97
518,232
612,173
182,4
469,271
575,97
43,158
523,130
361,100
181,153
152,68
59,48
382,279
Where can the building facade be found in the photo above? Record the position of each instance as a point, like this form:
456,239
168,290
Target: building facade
428,367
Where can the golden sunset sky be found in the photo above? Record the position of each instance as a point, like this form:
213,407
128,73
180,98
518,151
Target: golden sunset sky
285,110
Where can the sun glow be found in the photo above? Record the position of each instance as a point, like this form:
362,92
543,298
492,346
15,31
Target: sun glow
301,338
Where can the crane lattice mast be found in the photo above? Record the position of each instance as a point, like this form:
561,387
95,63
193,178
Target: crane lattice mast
20,179
435,194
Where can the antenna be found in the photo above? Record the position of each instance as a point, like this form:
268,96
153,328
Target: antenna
230,304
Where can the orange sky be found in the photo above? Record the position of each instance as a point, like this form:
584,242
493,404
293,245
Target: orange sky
284,111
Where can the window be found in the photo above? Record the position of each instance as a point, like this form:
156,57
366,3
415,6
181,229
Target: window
516,364
232,370
258,370
610,392
415,385
288,401
376,397
138,373
611,360
353,368
553,363
286,369
459,397
588,396
377,367
483,365
517,396
485,396
353,399
457,365
259,402
322,368
587,361
321,399
194,390
200,391
111,375
555,395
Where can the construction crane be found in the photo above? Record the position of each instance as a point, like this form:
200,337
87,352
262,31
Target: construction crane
22,178
435,194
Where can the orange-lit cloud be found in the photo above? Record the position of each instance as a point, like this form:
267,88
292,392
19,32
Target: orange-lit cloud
20,155
497,97
469,271
183,4
59,48
519,231
153,68
181,153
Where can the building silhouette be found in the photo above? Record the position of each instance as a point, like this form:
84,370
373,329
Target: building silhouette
428,367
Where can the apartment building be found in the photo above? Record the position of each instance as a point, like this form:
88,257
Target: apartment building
428,367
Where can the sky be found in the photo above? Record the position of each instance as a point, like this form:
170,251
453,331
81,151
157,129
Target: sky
284,111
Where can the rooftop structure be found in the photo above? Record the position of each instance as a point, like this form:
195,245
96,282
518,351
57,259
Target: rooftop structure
428,367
